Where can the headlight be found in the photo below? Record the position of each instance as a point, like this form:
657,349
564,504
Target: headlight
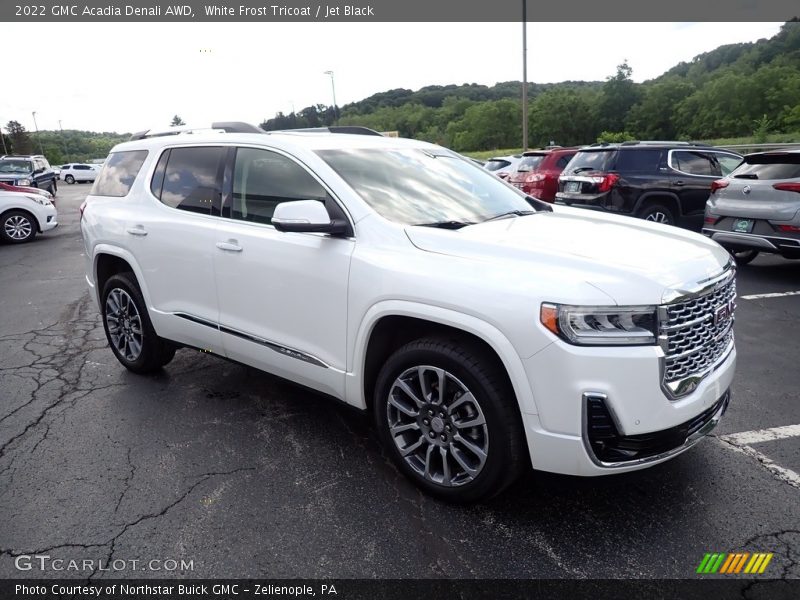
23,182
40,200
601,325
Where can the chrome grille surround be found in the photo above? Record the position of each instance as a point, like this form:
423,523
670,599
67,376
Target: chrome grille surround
696,332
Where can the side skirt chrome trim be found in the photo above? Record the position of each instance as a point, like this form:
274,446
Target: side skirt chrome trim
290,352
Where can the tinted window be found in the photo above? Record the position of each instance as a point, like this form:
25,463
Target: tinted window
728,162
638,161
82,168
119,173
191,179
563,161
494,165
770,166
263,179
14,165
418,187
590,160
530,163
696,163
158,175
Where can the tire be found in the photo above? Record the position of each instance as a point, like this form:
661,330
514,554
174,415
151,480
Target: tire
657,213
69,179
744,257
17,227
470,450
128,328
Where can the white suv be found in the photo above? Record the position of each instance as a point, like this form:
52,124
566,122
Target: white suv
485,331
79,173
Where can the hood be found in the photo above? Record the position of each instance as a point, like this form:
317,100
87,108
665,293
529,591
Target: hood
633,261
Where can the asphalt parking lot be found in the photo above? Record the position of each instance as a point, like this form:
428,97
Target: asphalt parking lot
244,475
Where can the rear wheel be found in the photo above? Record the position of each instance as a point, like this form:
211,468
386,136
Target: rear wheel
128,327
449,420
17,227
69,179
744,257
657,213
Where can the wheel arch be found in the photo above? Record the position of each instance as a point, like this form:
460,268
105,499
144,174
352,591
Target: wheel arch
109,260
668,199
390,324
30,213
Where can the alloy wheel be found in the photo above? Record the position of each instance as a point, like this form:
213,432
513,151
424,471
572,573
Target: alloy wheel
437,426
18,227
124,324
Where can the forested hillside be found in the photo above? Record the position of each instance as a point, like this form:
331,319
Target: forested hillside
750,89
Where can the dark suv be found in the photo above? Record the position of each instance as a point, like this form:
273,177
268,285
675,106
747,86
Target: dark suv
31,170
666,182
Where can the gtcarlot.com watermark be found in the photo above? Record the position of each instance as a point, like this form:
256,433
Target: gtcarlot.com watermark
44,562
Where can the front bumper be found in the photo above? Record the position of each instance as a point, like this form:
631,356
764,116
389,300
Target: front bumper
629,379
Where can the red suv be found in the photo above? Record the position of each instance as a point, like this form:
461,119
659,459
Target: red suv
538,171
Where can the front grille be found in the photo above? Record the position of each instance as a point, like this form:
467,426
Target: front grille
610,447
695,333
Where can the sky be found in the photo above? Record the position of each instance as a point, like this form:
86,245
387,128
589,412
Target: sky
127,77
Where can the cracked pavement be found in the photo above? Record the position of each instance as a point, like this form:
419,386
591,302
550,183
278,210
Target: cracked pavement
246,475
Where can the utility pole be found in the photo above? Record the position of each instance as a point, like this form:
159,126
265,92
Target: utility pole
38,138
524,75
63,141
333,90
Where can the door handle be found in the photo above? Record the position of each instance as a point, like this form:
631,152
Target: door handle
138,230
229,246
680,182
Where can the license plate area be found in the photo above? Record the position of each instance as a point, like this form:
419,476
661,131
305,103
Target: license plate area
742,226
573,186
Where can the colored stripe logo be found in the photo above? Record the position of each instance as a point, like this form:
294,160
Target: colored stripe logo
734,563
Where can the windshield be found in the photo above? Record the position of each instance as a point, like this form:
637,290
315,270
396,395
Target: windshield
494,164
15,166
530,163
415,187
769,166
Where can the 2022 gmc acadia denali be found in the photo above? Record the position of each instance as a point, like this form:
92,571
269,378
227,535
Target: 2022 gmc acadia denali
486,331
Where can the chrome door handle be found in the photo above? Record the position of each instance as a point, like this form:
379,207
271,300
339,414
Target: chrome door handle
680,183
139,230
229,246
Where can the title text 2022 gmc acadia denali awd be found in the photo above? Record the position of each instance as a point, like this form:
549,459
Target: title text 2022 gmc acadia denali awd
484,330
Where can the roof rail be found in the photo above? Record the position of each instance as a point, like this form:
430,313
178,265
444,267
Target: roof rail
217,126
351,129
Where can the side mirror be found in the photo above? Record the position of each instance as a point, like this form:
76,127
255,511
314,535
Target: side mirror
39,170
306,216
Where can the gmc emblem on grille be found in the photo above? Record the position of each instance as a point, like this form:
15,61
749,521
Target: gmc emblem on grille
724,313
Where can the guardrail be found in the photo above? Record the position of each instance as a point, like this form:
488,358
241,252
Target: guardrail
747,148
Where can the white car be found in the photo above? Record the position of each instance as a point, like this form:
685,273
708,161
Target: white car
483,333
79,173
503,166
22,215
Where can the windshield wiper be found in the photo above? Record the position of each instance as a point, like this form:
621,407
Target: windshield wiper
447,224
581,169
510,213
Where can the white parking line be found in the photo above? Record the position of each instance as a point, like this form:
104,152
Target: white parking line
773,295
740,442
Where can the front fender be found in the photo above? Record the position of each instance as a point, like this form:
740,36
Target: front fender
354,385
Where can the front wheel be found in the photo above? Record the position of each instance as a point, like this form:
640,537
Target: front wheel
69,179
744,257
657,213
17,227
128,328
449,420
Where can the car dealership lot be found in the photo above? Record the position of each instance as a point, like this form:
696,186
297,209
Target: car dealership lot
245,475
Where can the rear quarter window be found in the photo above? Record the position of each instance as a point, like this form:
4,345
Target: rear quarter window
119,173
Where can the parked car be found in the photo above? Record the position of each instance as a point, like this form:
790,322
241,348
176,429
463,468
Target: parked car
757,207
26,190
56,172
79,173
537,173
28,170
664,182
502,166
23,215
482,330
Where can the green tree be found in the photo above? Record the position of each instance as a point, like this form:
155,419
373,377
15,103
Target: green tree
564,116
487,126
20,140
619,94
654,117
176,121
